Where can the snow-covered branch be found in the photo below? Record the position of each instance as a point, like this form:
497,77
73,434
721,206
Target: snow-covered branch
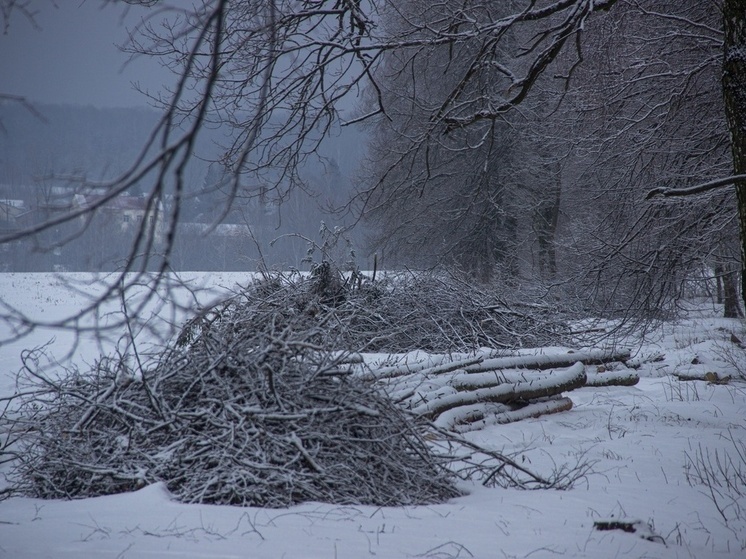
697,189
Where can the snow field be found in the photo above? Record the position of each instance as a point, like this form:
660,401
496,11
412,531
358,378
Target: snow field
641,441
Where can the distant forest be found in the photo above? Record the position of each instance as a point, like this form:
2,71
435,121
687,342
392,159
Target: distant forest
59,158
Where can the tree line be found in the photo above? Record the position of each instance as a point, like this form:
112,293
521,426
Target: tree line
518,141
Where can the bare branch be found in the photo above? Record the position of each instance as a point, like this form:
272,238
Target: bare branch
694,190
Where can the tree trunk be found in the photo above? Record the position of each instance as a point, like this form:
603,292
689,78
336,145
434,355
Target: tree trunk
718,284
734,95
553,220
731,305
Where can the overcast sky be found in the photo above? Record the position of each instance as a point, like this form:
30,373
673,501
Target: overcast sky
74,58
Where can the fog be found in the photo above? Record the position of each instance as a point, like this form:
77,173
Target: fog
71,56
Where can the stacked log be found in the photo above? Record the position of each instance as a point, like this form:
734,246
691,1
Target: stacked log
473,392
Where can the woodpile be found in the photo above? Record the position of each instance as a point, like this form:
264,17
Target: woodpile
473,392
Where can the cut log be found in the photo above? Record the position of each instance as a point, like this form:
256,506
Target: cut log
542,362
613,378
710,377
479,416
641,360
423,369
475,381
541,385
455,418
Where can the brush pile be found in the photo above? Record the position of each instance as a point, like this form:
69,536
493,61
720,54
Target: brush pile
247,408
407,312
253,404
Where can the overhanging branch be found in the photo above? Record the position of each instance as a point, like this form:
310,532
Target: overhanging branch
694,190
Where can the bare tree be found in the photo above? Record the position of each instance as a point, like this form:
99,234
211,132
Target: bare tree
279,74
648,101
734,94
282,73
638,111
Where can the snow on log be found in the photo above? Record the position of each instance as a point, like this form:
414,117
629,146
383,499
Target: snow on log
549,361
474,381
613,378
454,418
472,418
541,385
423,368
710,377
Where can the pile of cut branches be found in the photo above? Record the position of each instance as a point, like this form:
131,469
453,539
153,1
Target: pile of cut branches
253,404
250,411
410,311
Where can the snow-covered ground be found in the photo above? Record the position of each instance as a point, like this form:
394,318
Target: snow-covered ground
642,441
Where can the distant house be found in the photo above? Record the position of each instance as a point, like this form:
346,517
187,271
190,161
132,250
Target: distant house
11,212
219,230
51,200
125,211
